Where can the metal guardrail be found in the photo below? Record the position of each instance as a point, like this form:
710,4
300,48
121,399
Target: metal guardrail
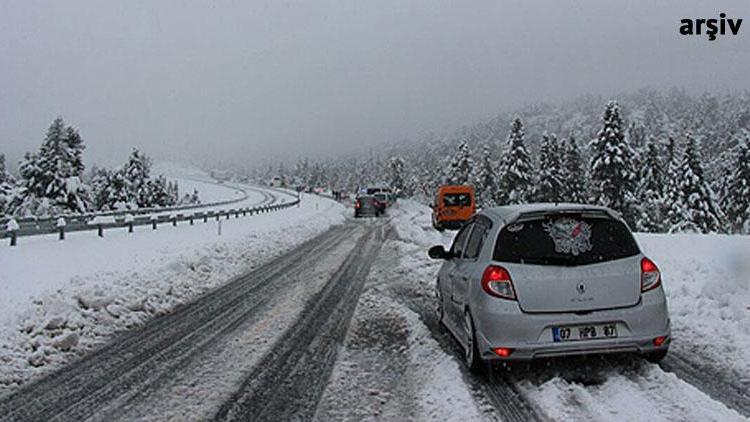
154,220
140,211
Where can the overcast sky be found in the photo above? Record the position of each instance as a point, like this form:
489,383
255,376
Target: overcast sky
245,81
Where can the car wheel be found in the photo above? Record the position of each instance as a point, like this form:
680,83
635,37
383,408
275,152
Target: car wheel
471,353
657,356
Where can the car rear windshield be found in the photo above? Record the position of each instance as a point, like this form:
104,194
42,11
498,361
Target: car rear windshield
565,240
457,200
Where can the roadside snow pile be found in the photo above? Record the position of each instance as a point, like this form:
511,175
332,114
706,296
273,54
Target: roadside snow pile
707,280
648,394
412,222
59,300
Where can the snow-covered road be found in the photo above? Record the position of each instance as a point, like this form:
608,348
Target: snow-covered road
343,327
81,291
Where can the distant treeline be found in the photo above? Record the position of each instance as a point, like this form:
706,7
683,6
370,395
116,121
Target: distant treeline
667,160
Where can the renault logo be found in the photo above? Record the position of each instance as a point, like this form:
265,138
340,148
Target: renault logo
581,288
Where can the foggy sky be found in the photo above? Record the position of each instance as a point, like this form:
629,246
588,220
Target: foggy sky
246,81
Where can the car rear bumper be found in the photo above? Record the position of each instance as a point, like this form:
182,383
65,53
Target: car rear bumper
530,335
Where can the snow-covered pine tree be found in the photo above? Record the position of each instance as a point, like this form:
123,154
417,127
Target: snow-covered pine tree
574,175
612,172
7,187
516,169
5,176
699,208
672,212
51,180
396,176
462,165
159,192
74,149
549,187
650,190
485,184
137,171
736,201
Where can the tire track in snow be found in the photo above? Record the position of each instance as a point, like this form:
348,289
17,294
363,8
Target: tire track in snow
136,357
497,387
710,380
289,382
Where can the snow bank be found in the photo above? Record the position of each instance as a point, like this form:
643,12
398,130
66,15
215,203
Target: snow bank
707,280
59,299
648,394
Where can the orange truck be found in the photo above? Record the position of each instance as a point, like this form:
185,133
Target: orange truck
453,206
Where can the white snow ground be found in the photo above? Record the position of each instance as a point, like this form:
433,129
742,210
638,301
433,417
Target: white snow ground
61,298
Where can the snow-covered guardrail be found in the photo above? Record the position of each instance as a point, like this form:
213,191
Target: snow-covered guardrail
52,220
101,223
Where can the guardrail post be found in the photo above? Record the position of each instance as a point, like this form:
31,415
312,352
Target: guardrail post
191,219
229,214
174,221
205,217
99,230
12,227
154,220
218,215
244,212
237,214
61,227
129,221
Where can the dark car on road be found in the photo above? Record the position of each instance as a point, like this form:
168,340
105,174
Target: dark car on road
368,206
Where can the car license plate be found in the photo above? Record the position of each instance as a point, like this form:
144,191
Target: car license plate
584,332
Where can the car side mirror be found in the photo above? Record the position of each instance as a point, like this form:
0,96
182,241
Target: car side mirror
439,252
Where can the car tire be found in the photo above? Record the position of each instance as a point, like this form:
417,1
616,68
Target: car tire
657,356
471,353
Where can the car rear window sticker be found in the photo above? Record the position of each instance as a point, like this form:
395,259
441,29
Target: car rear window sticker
514,228
570,236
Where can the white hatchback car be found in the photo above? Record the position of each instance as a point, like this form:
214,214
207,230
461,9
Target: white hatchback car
541,280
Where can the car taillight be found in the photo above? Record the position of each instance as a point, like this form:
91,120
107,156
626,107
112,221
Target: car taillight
650,275
357,204
496,282
503,352
658,341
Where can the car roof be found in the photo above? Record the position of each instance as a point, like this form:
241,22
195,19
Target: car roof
509,213
455,189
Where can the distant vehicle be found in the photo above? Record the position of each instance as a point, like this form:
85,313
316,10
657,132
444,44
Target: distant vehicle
371,190
453,206
276,182
539,280
383,198
368,206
